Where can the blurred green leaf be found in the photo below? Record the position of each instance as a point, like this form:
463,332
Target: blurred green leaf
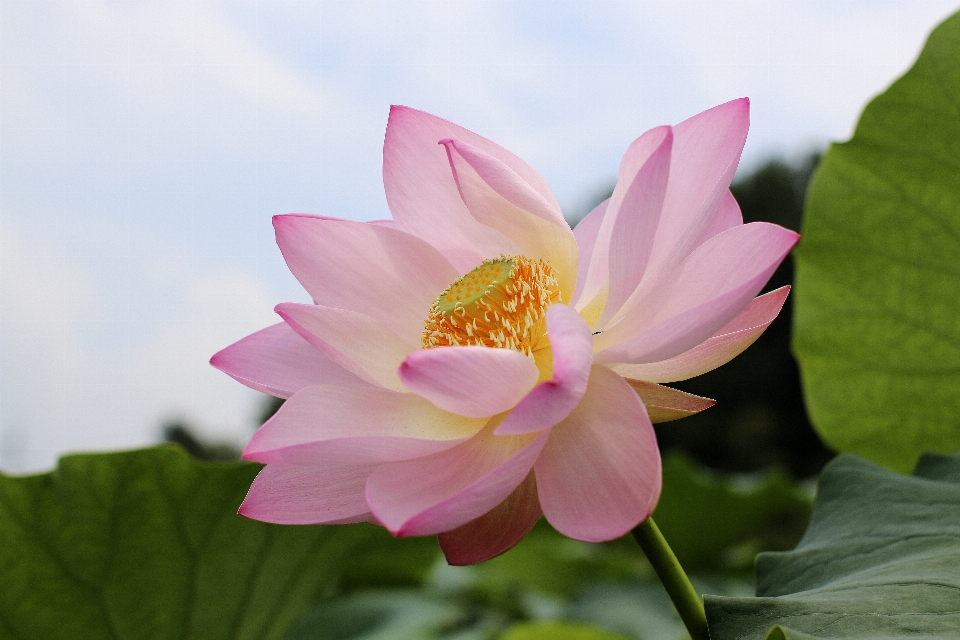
558,631
708,517
881,559
548,563
148,544
380,615
878,276
385,561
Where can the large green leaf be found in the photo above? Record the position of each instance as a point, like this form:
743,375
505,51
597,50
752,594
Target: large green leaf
877,327
148,544
404,614
881,559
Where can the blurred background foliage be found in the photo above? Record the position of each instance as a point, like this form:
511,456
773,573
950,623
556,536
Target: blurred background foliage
738,479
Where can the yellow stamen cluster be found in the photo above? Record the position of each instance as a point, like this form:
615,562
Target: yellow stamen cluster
501,303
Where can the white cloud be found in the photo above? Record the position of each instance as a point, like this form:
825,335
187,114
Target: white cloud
67,388
46,304
171,371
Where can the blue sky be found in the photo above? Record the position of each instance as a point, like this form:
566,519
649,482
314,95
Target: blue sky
144,147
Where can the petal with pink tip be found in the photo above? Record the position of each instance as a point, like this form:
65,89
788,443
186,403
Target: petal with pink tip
471,381
636,176
708,290
499,198
447,490
496,531
726,344
359,425
387,274
706,151
423,196
353,340
553,400
277,361
290,494
599,474
635,225
586,233
665,404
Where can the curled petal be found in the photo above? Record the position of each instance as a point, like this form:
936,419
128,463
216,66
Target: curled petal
706,152
290,494
553,400
500,199
471,381
446,490
277,361
423,197
381,272
726,344
635,224
505,182
665,404
599,474
496,531
642,177
353,340
356,425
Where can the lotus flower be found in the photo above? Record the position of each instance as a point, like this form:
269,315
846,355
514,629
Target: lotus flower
473,363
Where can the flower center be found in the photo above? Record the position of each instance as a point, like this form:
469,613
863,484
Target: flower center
501,303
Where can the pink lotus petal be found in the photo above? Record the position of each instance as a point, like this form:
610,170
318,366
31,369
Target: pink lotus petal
634,226
498,198
277,361
599,474
726,344
353,340
289,494
462,441
356,425
635,160
390,224
711,287
447,490
553,400
664,404
423,197
389,275
586,233
496,531
507,183
728,216
470,381
706,151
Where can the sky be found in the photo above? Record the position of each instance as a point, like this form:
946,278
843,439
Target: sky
145,146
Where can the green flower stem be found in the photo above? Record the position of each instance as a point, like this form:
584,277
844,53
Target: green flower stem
689,605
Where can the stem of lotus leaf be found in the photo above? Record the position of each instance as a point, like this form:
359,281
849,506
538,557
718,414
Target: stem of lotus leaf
685,598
